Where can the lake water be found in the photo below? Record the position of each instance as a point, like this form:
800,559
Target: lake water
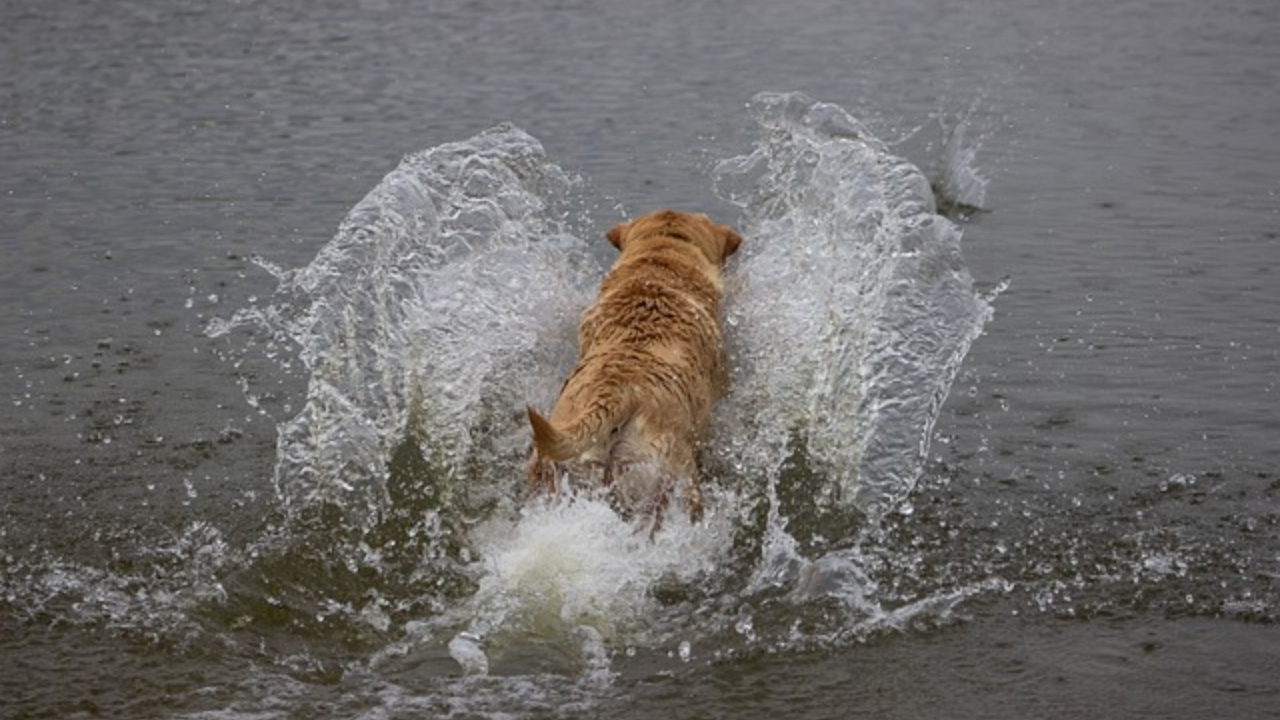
281,276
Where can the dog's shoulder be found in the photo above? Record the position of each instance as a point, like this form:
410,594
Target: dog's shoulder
665,268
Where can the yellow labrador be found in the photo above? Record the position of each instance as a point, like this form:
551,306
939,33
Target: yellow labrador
650,364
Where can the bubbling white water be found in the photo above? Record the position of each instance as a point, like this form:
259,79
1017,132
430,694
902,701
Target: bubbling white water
577,570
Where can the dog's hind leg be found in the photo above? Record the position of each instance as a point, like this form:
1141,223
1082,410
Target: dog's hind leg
655,511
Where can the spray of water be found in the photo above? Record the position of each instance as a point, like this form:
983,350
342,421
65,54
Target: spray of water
401,545
418,321
449,299
850,310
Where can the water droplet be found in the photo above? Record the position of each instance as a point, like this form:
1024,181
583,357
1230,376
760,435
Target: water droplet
465,649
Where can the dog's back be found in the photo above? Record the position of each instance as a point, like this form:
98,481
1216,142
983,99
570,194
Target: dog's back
650,365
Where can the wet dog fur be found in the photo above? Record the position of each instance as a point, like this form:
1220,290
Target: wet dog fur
634,411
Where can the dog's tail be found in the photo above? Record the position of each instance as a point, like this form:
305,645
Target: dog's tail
593,427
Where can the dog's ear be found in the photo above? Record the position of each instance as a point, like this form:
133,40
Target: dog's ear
617,234
731,242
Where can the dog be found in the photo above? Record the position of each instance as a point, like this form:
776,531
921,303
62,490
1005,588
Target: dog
637,406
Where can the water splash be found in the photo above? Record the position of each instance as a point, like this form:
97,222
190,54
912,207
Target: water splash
577,581
961,190
417,321
448,300
850,309
402,553
152,591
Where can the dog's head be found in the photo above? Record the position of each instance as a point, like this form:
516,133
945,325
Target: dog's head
717,242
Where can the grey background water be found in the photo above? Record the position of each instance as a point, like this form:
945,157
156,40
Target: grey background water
1113,432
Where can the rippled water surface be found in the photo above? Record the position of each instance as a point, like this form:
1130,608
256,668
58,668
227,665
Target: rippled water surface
283,276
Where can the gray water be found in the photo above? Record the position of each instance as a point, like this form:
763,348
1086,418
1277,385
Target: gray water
1091,532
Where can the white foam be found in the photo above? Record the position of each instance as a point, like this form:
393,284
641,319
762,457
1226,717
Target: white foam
573,566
